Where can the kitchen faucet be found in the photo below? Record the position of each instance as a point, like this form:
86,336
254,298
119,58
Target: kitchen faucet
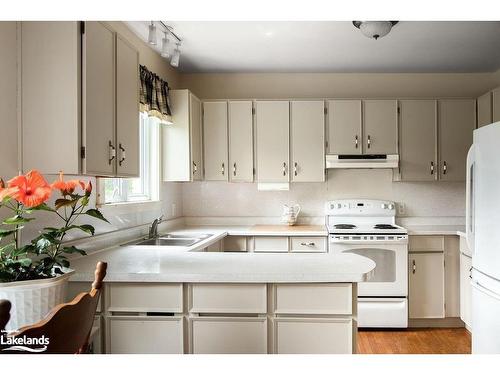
153,229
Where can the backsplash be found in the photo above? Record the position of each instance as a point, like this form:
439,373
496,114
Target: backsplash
421,199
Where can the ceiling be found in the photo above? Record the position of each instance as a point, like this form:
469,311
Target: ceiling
334,46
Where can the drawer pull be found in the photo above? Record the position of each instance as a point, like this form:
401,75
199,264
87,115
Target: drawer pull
307,244
414,267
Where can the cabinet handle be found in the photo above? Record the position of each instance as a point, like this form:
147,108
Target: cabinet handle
234,169
295,168
122,153
432,167
445,167
307,244
470,273
284,169
356,141
111,152
369,142
195,167
223,170
413,267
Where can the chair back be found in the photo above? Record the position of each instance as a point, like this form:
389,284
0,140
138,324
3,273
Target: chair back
66,328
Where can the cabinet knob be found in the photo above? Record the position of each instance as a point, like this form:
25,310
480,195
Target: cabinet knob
122,153
445,167
369,141
307,244
356,141
413,266
195,167
111,152
295,172
234,169
284,169
432,167
223,169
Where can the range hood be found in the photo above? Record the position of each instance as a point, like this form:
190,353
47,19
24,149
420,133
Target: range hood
362,161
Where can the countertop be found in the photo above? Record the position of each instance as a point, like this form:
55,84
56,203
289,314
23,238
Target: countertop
161,264
257,230
444,230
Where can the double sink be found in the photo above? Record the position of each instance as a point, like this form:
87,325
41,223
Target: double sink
185,240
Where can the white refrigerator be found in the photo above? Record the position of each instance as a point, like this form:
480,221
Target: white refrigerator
483,237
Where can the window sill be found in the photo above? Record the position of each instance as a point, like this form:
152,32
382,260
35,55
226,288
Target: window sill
137,206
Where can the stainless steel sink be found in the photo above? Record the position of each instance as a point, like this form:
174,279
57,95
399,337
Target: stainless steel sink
173,240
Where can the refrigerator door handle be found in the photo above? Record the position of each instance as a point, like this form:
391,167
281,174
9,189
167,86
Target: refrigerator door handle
486,291
469,200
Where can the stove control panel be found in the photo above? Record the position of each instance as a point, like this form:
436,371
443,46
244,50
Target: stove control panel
360,207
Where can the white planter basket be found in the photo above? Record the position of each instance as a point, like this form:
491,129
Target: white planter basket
31,300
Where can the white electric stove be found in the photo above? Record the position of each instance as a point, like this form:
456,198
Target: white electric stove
368,228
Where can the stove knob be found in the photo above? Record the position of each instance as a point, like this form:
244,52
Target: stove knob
391,206
339,205
384,206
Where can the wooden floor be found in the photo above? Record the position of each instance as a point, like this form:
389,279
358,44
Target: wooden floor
414,341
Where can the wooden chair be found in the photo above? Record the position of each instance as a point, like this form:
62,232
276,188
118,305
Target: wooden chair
67,326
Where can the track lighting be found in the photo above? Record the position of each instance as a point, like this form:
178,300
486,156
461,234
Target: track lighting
152,34
164,46
174,61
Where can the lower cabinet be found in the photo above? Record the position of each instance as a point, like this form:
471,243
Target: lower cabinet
270,244
313,335
466,290
228,335
145,335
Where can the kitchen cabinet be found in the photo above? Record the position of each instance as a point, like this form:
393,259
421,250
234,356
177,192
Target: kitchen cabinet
344,127
380,126
496,104
466,290
271,244
272,127
235,244
485,109
456,124
308,245
96,99
426,285
451,276
240,141
127,108
417,134
181,141
307,123
215,141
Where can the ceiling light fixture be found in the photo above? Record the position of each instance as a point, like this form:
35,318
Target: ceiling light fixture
152,34
374,29
164,46
174,61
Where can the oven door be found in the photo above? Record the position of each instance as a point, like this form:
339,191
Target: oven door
390,278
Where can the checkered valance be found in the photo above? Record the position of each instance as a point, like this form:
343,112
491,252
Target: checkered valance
154,96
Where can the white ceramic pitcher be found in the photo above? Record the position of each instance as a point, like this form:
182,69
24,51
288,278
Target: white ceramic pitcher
290,214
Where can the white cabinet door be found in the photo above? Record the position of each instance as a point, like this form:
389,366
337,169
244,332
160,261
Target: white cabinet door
50,95
484,109
496,105
456,124
98,102
240,141
228,335
465,290
272,126
452,276
344,127
274,244
215,141
313,336
307,141
426,285
127,108
380,126
417,134
195,117
145,335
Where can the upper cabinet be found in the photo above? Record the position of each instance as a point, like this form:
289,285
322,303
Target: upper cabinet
272,127
181,141
240,115
380,132
80,85
307,126
417,132
362,127
484,109
344,127
456,124
215,142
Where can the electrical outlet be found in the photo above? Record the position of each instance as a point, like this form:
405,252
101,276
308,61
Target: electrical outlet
174,209
401,208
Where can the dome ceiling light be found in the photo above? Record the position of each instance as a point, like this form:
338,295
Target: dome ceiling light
374,29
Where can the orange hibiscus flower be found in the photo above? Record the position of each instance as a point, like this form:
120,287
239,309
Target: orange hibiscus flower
5,192
30,189
66,187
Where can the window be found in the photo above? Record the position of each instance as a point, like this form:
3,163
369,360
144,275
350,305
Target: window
146,187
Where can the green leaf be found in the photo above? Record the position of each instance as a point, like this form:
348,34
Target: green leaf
73,250
16,220
87,228
7,249
7,232
42,207
24,262
96,213
63,202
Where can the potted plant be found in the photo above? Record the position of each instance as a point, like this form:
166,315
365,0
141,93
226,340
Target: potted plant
34,274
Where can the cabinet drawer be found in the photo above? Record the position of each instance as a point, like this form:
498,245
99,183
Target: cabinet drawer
222,335
426,243
149,297
313,336
271,244
229,298
75,288
313,299
235,243
146,335
308,244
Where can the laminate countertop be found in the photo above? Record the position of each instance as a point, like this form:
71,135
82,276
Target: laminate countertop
429,230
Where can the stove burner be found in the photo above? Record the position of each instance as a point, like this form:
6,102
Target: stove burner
384,226
344,226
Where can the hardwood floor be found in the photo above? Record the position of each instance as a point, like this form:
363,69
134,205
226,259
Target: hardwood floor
414,341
